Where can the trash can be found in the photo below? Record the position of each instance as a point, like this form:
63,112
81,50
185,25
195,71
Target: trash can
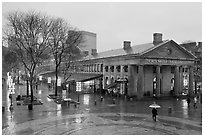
169,109
30,107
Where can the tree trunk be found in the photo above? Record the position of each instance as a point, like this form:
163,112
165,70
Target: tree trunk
56,76
27,87
30,106
31,89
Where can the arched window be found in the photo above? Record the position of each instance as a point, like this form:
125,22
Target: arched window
172,84
106,68
112,68
112,80
118,68
125,68
106,81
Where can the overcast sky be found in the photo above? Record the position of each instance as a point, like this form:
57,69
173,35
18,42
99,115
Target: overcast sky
115,22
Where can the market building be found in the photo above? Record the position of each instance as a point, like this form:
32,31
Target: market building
154,68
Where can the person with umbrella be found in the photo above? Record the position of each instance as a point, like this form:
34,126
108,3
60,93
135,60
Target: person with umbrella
154,114
154,111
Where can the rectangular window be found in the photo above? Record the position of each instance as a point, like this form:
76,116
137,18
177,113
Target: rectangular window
172,69
154,69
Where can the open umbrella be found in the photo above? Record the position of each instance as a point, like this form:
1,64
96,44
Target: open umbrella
154,105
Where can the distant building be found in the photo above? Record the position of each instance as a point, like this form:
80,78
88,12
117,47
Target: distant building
196,49
88,44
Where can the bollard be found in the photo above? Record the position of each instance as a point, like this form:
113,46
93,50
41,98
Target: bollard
3,108
94,102
30,107
68,103
169,109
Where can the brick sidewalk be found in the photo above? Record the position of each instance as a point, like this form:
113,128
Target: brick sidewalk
105,124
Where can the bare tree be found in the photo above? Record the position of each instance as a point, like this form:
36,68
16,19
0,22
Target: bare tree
63,42
27,35
10,60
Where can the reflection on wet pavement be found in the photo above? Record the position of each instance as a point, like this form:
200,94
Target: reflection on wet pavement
86,99
100,124
20,114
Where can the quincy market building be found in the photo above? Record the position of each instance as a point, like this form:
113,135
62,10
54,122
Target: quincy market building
155,68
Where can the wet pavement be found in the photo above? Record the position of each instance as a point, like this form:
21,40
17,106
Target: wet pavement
124,117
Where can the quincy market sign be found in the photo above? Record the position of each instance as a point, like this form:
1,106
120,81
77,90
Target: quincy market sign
167,62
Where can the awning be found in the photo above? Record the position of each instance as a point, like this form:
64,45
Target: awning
83,77
48,74
112,85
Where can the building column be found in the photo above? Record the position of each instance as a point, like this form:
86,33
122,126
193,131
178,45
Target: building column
158,84
176,81
140,82
115,72
109,75
130,80
104,78
122,85
181,79
85,68
190,88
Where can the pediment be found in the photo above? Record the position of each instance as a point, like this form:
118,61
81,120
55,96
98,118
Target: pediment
169,50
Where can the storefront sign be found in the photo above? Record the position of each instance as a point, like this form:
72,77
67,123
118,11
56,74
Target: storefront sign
166,61
78,86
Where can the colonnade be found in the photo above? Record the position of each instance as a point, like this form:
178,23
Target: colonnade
136,83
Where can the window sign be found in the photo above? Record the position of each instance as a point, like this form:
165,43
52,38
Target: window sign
63,94
78,86
49,80
40,78
58,82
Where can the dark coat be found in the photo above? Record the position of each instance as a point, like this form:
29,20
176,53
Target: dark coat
188,100
154,111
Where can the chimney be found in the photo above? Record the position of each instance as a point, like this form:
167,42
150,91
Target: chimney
126,45
157,38
93,51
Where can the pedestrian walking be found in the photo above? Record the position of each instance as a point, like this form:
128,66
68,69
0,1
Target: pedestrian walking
188,101
154,114
195,102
